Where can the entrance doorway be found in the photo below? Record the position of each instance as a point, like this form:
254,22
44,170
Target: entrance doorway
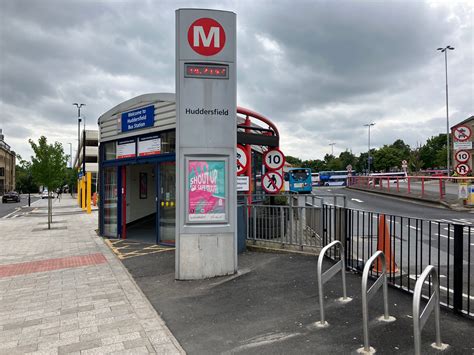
149,202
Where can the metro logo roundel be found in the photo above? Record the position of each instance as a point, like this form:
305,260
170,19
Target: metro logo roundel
206,36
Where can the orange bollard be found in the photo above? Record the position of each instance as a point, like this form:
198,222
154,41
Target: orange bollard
383,244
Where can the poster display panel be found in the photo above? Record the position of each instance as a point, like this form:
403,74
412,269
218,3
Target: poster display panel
150,145
126,149
206,191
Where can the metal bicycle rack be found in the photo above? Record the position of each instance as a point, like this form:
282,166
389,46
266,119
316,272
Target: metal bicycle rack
368,294
419,321
327,275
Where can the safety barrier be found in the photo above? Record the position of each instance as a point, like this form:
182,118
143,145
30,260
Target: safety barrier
327,275
368,294
419,321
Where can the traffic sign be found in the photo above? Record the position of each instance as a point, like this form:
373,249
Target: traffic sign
242,159
349,168
462,133
404,164
274,159
272,182
462,156
206,36
462,169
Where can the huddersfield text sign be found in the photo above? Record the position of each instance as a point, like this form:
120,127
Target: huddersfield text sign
206,137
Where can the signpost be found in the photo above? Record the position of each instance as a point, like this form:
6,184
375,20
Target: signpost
206,140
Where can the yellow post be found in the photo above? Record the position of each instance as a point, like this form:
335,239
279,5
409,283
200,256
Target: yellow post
83,190
78,192
89,191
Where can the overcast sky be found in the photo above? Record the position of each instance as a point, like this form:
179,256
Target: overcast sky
319,69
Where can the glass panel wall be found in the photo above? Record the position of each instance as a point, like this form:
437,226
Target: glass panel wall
110,202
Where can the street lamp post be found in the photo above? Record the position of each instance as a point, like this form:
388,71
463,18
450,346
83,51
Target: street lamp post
70,155
445,51
79,137
368,152
332,148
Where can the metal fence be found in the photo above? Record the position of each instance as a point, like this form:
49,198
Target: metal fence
409,243
412,244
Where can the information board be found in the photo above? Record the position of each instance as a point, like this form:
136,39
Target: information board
138,118
126,149
150,145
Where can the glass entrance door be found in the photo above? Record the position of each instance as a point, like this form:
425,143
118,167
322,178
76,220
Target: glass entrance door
167,202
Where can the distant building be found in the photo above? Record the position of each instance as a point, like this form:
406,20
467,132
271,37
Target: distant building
7,166
91,156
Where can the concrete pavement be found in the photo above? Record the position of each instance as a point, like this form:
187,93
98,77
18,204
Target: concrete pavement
63,291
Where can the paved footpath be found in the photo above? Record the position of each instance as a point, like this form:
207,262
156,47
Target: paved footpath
63,291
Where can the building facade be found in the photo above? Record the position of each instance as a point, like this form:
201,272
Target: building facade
89,144
7,166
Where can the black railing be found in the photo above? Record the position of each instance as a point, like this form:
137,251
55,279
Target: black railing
412,244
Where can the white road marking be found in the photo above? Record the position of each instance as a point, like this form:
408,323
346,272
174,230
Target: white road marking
356,200
414,277
15,211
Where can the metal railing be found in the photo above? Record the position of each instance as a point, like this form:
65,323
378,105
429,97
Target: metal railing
419,321
413,243
367,295
327,275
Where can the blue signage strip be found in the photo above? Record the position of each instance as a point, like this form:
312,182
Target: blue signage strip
139,118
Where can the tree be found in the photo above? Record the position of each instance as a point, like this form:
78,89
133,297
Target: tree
347,158
296,162
48,167
23,176
430,152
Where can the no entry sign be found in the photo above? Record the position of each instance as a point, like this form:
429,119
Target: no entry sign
462,169
274,159
272,182
462,133
242,159
462,156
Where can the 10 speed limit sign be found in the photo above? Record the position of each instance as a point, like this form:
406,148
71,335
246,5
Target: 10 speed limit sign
274,159
462,156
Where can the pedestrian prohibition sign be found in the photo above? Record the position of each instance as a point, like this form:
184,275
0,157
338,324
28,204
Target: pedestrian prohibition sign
462,156
462,169
272,182
462,133
242,159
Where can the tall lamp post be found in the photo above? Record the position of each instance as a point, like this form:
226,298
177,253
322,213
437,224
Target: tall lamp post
79,136
368,152
332,148
70,155
445,51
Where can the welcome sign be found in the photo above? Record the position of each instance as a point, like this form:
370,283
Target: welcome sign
138,118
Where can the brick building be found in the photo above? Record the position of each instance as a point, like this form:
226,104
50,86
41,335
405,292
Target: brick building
7,166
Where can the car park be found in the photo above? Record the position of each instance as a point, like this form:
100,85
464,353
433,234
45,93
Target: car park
11,196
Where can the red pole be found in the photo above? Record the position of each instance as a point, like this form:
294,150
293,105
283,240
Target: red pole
398,185
124,202
408,184
388,183
440,189
422,186
248,147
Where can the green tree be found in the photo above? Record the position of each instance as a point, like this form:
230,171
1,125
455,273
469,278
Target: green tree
430,152
48,167
347,158
23,176
296,162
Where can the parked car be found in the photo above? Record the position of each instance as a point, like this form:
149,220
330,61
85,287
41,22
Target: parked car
11,196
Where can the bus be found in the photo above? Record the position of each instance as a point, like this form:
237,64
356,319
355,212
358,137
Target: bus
315,179
391,177
334,178
299,180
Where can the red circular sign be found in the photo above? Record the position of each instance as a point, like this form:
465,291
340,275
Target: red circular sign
274,159
463,169
206,36
242,159
462,133
462,156
272,182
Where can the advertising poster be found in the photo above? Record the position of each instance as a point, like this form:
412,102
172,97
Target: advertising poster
150,145
126,149
206,191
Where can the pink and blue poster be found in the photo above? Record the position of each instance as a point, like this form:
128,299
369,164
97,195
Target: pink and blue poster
206,191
